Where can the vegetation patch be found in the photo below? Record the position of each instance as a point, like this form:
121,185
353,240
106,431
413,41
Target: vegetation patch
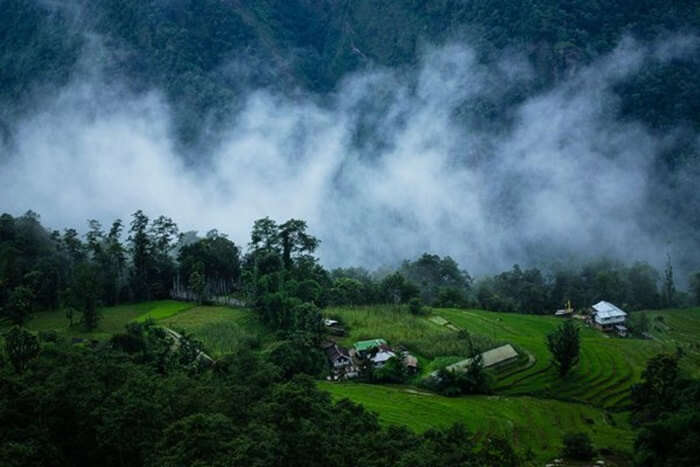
529,423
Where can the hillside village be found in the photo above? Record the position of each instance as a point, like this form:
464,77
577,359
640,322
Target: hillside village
347,362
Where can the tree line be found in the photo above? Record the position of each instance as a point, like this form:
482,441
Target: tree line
280,276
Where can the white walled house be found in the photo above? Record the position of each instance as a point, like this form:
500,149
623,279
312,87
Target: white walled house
608,317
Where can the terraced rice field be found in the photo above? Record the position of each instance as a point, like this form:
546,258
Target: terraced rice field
607,369
528,422
679,328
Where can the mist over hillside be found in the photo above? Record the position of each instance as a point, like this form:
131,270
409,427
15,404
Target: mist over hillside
457,148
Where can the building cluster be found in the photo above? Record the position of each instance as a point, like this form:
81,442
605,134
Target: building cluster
345,363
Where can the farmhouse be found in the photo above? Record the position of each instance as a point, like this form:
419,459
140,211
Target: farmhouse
340,360
608,317
384,353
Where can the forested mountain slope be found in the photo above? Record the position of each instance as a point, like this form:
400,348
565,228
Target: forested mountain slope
200,52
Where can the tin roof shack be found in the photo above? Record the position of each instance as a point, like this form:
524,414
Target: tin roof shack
491,358
410,362
384,353
374,350
334,327
607,316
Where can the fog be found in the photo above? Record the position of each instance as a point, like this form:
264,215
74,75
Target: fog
393,164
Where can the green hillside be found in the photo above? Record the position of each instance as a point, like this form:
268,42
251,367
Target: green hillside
608,366
530,423
531,406
186,48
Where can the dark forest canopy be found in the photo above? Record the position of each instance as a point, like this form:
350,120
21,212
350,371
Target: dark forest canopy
192,49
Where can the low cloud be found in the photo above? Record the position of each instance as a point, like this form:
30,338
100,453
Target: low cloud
390,166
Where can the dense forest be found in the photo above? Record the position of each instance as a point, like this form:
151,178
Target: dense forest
195,50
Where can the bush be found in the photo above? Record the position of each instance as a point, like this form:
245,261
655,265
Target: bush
415,306
578,446
48,336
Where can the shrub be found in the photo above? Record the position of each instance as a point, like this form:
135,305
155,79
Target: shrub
415,306
578,446
48,336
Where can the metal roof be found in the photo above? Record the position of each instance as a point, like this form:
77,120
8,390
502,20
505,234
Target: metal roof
361,346
607,310
488,358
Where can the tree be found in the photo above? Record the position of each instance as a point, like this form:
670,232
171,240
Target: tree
472,380
264,235
638,323
578,446
21,346
669,290
197,283
656,393
141,255
695,287
294,240
86,291
415,306
19,305
393,371
564,344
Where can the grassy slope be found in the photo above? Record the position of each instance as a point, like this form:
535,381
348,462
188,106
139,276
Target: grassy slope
113,318
679,328
221,329
528,422
608,366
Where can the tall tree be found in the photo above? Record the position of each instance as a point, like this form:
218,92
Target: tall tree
294,240
141,255
669,292
564,344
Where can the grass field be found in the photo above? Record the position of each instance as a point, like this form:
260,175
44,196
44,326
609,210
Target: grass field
607,369
603,378
220,329
527,422
113,318
679,328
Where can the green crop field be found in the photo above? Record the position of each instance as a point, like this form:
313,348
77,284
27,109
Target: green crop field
113,318
679,329
528,422
220,329
608,366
